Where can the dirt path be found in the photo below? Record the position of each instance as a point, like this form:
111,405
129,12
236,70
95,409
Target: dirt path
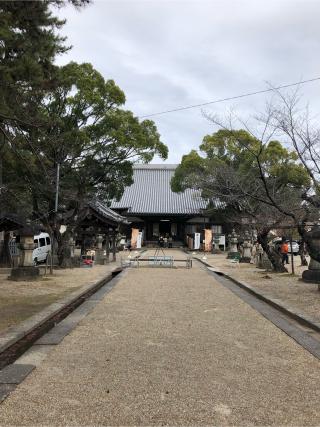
20,300
302,297
170,347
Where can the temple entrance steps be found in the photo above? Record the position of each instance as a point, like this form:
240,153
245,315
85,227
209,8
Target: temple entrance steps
154,244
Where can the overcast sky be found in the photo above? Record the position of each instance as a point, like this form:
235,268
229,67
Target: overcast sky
167,54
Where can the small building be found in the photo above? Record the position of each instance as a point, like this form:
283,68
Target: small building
155,210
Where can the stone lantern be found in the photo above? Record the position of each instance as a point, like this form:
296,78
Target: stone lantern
313,273
233,241
216,241
26,269
100,257
247,248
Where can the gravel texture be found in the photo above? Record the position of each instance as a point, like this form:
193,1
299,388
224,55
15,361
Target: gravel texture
170,347
303,297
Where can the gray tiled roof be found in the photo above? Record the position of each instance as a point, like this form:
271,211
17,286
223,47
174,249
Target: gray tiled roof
151,193
106,212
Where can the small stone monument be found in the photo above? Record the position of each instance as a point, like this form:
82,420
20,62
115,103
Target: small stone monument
26,269
72,245
313,273
265,263
100,257
247,248
259,255
216,241
233,241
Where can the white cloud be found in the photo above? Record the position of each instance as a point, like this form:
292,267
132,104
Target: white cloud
166,54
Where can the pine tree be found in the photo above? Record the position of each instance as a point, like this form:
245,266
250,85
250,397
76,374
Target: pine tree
28,46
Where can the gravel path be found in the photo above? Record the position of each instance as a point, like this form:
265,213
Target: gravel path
170,347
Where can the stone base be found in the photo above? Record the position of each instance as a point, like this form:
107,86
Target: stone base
24,273
101,261
233,255
216,251
265,265
245,260
311,276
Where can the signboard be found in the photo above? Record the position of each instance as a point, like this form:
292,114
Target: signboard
208,240
222,241
139,240
196,240
134,237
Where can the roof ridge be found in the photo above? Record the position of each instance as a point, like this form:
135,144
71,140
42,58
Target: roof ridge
154,166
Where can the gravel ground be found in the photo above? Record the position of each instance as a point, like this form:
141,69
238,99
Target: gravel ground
304,297
170,347
20,300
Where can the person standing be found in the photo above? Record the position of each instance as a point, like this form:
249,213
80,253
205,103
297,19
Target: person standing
284,249
160,242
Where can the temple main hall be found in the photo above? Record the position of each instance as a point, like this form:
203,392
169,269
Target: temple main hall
154,210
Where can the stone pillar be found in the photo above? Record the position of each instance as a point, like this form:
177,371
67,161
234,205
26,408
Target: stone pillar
233,250
114,246
72,244
107,247
247,248
312,275
100,258
26,269
266,263
259,256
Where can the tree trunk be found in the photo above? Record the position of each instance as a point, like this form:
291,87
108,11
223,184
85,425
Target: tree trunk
307,238
5,258
63,249
274,257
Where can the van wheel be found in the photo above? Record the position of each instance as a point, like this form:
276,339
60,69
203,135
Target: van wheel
35,262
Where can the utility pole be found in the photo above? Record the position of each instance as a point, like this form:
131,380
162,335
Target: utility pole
57,189
55,216
2,143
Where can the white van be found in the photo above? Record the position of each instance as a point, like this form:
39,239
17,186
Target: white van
42,247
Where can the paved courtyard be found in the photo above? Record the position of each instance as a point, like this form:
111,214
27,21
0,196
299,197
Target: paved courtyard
170,347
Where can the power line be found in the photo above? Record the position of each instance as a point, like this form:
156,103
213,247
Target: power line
229,98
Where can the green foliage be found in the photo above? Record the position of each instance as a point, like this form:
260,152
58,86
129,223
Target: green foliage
248,178
237,147
186,173
86,131
68,116
29,44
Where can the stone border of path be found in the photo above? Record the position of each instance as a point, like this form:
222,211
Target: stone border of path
14,374
276,303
